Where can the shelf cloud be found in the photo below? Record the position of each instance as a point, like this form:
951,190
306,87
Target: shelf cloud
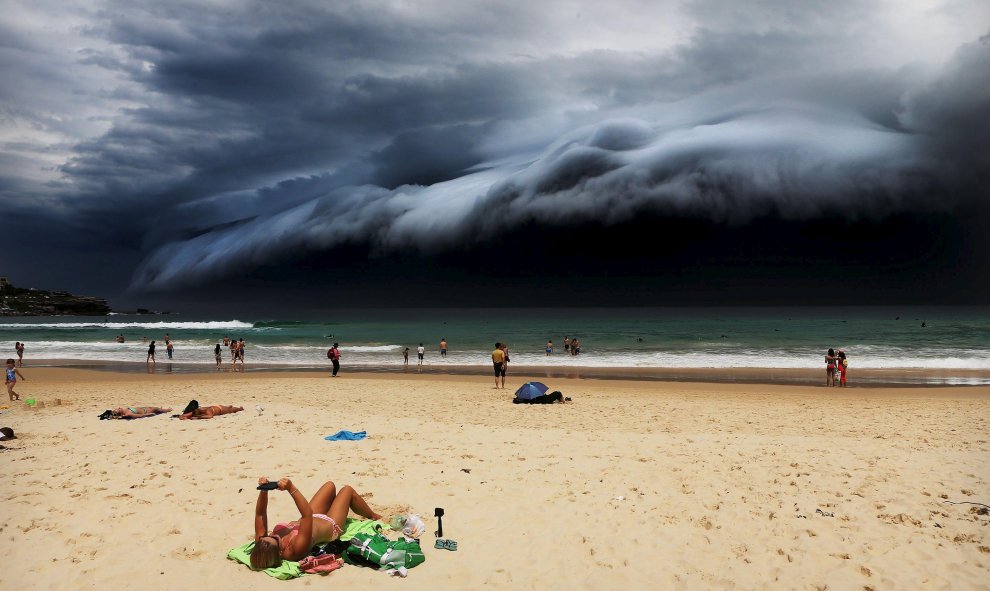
211,142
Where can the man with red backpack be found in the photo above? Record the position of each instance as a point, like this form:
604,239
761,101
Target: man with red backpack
333,354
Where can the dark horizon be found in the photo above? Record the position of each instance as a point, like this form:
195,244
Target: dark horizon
757,274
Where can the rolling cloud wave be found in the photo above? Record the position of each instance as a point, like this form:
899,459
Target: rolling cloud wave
728,157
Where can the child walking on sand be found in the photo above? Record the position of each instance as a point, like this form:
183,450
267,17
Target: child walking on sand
10,378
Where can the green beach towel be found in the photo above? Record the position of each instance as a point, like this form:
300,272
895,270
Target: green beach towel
354,527
289,569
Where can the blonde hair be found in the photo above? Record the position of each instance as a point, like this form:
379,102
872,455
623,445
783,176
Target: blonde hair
265,556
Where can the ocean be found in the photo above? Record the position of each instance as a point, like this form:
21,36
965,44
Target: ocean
942,338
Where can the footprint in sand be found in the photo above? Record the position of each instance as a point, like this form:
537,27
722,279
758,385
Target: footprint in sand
187,553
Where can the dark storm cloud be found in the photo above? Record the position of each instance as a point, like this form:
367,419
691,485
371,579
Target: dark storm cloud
729,156
257,133
235,110
946,109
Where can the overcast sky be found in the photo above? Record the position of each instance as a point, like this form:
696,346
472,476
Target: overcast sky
709,151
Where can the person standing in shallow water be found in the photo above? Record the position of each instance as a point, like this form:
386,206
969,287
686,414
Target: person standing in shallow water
237,354
830,368
505,361
19,349
334,355
421,352
405,357
443,348
217,356
151,353
841,364
498,362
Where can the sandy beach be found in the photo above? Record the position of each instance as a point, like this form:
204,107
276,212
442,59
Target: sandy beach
633,485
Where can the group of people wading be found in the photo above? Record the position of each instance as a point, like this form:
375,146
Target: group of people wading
835,364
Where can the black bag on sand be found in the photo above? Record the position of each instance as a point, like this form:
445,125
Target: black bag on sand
545,399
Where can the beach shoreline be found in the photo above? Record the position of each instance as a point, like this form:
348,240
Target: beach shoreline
861,378
626,343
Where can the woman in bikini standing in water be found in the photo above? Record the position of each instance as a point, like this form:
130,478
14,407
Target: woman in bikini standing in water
320,521
830,367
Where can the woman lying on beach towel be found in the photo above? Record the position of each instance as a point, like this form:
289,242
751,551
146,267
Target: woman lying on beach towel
319,522
208,412
138,412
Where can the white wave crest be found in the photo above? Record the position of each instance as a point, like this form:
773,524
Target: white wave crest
200,350
174,325
371,348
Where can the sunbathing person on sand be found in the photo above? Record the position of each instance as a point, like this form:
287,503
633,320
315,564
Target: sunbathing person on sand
138,412
320,521
194,411
208,412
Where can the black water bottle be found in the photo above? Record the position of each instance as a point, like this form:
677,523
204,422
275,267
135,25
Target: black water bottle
438,513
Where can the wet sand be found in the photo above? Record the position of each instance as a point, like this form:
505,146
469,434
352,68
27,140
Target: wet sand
872,378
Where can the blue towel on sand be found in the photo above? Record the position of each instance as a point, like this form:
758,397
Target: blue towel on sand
346,436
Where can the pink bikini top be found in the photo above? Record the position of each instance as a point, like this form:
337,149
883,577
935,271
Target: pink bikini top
293,531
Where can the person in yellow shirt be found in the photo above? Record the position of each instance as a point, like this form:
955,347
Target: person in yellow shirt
498,360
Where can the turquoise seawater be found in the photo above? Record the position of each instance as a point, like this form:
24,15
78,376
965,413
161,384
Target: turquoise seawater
873,337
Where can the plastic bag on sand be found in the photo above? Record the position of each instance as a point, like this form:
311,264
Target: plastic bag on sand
414,527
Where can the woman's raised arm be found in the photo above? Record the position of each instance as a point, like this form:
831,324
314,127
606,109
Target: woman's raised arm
261,512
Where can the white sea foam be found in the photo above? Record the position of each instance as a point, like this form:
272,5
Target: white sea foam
371,348
174,325
323,347
201,351
946,359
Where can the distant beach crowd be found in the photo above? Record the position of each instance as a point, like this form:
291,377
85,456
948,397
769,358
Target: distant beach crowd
572,346
836,360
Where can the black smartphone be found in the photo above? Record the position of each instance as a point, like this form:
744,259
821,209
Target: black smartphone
268,486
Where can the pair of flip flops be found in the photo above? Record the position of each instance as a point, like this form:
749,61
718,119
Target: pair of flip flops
443,544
